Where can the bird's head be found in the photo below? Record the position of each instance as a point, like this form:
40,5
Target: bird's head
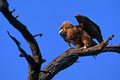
66,25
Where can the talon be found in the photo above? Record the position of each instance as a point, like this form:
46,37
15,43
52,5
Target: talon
83,47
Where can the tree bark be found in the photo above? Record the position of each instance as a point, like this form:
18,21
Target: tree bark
61,62
35,65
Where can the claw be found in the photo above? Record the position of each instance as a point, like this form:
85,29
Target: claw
83,47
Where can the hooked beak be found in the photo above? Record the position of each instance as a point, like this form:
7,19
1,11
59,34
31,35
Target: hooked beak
61,31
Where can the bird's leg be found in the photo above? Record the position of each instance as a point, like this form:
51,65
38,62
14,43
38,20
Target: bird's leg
69,45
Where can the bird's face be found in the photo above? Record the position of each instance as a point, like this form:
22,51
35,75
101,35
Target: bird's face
63,30
64,27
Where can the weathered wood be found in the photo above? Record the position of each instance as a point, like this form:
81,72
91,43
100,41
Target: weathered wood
36,55
70,56
61,62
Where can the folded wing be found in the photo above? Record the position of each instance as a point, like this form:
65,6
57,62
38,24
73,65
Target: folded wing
90,27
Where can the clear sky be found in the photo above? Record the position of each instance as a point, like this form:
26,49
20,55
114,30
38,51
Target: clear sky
46,16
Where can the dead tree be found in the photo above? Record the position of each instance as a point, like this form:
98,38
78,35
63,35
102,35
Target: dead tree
61,62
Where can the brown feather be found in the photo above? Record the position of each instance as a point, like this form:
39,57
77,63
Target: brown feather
76,35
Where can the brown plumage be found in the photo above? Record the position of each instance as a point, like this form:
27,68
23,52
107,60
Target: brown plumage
90,27
75,35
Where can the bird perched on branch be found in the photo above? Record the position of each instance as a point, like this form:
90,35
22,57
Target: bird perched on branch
75,35
81,35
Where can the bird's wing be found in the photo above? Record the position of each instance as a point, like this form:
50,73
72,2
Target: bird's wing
90,27
96,26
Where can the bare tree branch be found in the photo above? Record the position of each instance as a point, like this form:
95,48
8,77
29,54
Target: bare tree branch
22,28
37,35
36,54
70,56
61,62
29,59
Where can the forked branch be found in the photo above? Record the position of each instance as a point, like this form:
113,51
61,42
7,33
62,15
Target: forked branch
29,59
36,54
59,63
70,56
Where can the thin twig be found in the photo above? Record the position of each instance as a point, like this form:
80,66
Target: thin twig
37,35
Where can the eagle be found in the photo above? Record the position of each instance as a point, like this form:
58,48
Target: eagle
82,34
75,35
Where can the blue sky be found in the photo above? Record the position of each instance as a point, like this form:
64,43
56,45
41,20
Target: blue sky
46,16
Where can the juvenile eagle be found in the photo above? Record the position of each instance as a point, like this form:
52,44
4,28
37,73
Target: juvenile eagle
75,35
81,35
